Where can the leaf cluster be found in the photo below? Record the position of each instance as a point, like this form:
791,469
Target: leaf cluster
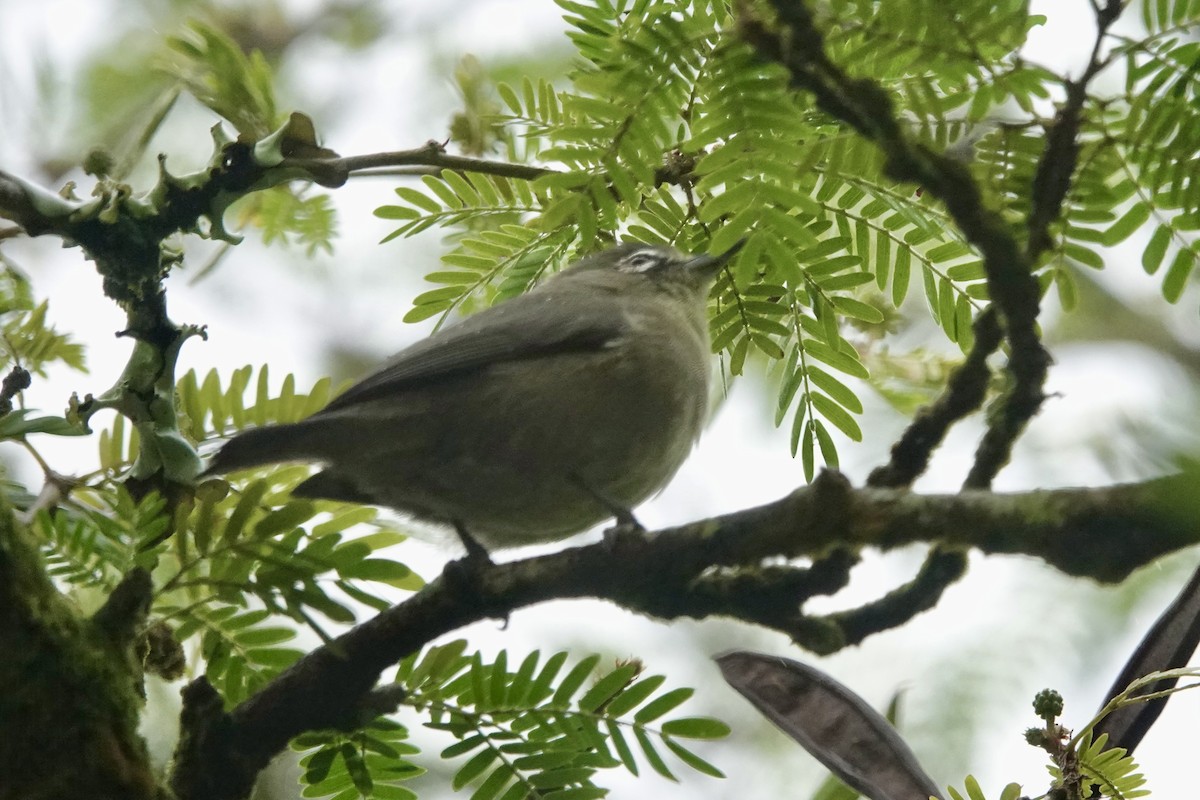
27,339
1111,769
240,565
972,791
371,762
239,86
294,217
672,131
541,730
1153,135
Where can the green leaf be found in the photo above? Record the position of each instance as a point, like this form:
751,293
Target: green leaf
852,280
499,680
837,390
607,688
663,704
634,696
258,637
317,765
464,746
857,309
1011,791
1156,249
803,435
973,789
838,359
576,793
900,276
479,697
292,514
247,505
342,520
558,778
278,657
493,783
573,680
539,688
652,756
418,199
948,251
522,680
1130,222
474,767
1085,256
18,423
696,728
692,760
837,415
1176,279
832,266
379,569
970,271
617,738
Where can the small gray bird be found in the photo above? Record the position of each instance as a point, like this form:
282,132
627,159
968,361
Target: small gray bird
527,422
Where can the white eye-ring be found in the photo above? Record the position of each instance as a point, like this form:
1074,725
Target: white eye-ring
643,261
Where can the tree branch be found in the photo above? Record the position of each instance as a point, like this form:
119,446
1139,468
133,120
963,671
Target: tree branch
334,171
1060,156
910,456
964,394
431,158
71,685
124,235
1029,361
868,109
35,209
707,568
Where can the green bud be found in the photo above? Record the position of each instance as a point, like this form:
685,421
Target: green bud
1048,704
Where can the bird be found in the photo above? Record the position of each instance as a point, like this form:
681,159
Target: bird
529,421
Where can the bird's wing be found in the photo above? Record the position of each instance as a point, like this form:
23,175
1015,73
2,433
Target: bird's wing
530,326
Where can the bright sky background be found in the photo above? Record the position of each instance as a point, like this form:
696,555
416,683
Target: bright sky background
1007,631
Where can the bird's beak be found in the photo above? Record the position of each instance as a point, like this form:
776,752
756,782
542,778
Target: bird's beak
709,265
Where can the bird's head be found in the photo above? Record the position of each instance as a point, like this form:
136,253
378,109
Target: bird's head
658,263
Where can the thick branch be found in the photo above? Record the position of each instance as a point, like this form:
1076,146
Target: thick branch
1099,533
35,209
70,700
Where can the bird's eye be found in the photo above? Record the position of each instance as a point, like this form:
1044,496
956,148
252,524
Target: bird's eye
641,262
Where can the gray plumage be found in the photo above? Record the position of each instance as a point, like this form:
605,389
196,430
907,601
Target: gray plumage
528,421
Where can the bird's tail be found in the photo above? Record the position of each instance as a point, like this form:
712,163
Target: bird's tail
257,446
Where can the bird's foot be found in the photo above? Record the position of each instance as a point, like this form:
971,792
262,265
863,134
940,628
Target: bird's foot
477,554
462,574
626,532
622,514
